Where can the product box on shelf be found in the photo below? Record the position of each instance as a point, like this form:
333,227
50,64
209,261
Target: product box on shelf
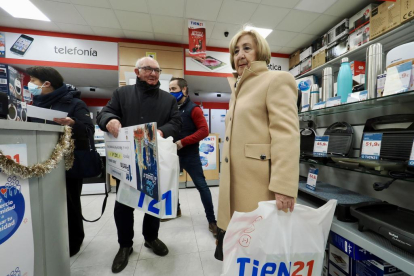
338,49
381,84
407,10
319,58
319,43
295,71
357,67
306,65
306,52
376,268
384,18
337,32
304,85
358,37
294,59
361,18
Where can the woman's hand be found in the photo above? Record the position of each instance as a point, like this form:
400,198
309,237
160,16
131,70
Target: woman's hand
284,202
64,121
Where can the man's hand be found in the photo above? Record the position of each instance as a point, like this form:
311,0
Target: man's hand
179,145
113,127
284,202
64,121
161,134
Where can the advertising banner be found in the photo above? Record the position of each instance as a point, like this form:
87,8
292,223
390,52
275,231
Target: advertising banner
2,45
59,49
197,39
208,153
148,168
16,232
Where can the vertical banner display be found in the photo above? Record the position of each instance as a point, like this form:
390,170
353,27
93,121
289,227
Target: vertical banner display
16,232
197,39
208,153
147,167
2,45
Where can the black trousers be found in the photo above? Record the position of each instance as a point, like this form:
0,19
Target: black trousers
124,220
75,223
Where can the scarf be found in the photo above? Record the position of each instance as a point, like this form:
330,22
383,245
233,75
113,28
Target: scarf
46,101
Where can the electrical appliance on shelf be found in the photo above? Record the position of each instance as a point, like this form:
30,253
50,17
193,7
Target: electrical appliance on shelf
341,136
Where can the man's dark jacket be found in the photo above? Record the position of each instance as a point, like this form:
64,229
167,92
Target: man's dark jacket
140,104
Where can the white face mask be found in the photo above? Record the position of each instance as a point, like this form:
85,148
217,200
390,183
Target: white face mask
34,89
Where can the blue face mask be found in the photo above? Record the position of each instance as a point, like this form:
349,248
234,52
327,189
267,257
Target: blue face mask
34,89
178,95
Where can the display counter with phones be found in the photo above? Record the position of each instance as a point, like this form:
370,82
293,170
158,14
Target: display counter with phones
47,196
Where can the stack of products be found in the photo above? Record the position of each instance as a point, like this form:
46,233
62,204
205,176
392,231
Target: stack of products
359,26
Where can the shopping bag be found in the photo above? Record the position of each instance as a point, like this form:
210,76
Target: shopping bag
271,242
169,170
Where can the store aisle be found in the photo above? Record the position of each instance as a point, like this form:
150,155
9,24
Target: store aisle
190,243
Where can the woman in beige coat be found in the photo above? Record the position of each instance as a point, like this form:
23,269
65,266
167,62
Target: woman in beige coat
261,147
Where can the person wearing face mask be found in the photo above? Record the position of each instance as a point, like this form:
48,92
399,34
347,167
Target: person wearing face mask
132,105
48,90
261,147
194,130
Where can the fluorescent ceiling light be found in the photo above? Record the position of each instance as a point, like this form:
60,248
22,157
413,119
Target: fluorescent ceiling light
319,6
22,9
261,31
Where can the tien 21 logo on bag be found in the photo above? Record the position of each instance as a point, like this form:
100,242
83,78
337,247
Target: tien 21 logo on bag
251,267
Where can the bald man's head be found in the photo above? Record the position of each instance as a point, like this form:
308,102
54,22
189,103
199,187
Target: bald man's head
148,70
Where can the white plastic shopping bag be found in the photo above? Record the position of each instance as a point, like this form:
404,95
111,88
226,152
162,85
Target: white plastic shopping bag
271,242
168,173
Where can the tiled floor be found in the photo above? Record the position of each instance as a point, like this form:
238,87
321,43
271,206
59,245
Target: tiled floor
190,243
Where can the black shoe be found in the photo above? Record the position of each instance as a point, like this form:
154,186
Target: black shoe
157,246
121,259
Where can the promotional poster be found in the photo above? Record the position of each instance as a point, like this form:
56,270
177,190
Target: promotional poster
16,230
208,153
197,39
2,45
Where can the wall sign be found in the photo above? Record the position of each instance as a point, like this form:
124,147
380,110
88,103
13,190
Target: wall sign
151,55
58,49
16,232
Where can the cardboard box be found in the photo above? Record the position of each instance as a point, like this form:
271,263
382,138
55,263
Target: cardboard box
357,67
407,10
319,58
306,65
295,71
359,37
384,18
294,59
307,52
361,18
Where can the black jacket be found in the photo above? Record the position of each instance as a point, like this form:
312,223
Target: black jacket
140,104
67,99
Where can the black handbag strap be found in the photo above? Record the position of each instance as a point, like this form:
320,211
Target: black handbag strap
92,147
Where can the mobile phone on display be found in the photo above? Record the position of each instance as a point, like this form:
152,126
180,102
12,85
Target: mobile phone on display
22,44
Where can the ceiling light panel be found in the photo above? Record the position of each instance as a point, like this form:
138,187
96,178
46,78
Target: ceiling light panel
319,6
263,32
23,9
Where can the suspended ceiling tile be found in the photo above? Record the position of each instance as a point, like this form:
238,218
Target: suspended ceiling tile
53,10
322,24
301,40
108,32
236,12
287,50
203,9
319,6
280,38
99,17
139,35
290,4
168,38
167,7
218,43
40,25
93,3
133,21
297,21
167,25
343,8
268,17
275,49
76,29
220,28
129,5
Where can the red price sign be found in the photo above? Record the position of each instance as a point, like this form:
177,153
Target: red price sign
372,144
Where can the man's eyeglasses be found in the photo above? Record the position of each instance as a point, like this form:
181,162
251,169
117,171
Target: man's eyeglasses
149,69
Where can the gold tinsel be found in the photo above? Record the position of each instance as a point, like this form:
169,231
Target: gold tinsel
63,149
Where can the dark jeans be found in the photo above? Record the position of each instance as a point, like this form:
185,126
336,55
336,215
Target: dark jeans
75,223
124,219
192,164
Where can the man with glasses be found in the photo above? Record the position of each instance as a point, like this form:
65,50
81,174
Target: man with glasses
132,105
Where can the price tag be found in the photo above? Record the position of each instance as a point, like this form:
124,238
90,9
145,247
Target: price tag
411,162
319,105
320,147
312,178
357,97
335,101
305,108
371,146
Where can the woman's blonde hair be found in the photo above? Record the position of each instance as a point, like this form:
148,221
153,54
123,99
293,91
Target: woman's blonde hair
263,49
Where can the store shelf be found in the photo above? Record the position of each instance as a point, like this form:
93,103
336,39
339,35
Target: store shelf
358,170
370,241
406,97
390,40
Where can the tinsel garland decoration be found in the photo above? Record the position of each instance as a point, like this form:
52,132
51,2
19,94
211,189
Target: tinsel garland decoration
63,149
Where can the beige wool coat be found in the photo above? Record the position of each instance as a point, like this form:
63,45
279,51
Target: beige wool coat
261,147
